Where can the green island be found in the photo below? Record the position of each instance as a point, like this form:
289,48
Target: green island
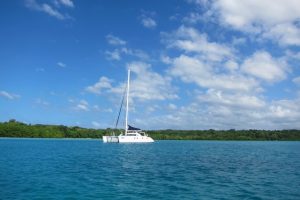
13,128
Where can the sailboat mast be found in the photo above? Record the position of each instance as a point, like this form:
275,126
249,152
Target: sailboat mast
127,97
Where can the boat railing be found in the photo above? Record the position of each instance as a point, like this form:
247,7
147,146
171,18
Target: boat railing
142,133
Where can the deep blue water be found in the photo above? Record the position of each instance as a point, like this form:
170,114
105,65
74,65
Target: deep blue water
89,169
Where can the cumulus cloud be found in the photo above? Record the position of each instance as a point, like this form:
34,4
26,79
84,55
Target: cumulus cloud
274,19
231,65
113,55
145,84
172,106
238,100
193,70
203,62
229,84
292,55
149,85
284,34
148,22
262,65
61,64
83,105
103,83
8,95
48,9
285,109
113,40
117,54
147,19
223,112
67,3
193,18
189,39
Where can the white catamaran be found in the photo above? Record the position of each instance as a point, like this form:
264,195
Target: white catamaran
131,134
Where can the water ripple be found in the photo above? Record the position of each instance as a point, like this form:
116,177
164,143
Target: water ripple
89,169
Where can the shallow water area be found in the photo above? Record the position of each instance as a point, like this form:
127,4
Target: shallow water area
90,169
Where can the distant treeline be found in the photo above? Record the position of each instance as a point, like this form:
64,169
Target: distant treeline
13,128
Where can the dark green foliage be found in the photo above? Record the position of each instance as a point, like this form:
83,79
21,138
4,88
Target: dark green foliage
13,128
226,134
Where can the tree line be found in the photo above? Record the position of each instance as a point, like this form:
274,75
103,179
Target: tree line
13,128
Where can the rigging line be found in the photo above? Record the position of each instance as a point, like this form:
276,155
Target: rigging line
121,106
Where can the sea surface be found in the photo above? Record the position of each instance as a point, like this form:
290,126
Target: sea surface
89,169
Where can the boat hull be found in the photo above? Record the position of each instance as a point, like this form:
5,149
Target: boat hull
113,139
135,139
127,139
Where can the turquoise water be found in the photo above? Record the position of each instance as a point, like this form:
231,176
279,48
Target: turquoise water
89,169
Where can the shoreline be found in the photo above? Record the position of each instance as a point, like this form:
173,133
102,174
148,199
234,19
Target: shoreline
15,129
216,140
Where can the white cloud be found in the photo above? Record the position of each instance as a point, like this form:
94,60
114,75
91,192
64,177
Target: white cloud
193,70
262,65
238,41
103,83
51,11
9,96
254,13
135,52
113,40
233,100
231,65
83,105
165,59
234,96
68,3
117,53
285,108
293,55
148,22
113,55
193,18
61,64
172,106
46,8
275,19
219,111
199,2
149,85
284,34
190,40
145,84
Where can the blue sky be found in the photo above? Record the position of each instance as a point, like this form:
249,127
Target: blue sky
196,64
